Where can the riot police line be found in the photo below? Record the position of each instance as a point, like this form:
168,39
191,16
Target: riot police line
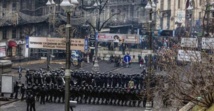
89,87
85,87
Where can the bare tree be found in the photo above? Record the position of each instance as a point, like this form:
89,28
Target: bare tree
61,30
101,6
28,30
191,81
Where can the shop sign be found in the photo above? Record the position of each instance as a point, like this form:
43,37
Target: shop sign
55,43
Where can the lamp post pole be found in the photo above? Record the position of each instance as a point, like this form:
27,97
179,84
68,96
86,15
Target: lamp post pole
96,65
148,89
49,4
68,6
149,92
67,70
190,8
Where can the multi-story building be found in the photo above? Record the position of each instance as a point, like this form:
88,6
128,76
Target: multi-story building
21,18
172,13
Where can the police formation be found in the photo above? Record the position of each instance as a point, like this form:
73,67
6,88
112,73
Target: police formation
87,87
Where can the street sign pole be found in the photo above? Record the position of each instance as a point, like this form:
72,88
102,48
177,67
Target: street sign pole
127,59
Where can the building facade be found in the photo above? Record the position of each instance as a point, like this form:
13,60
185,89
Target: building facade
22,18
172,12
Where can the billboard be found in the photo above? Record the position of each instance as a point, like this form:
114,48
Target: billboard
55,43
207,43
189,42
189,55
126,38
6,84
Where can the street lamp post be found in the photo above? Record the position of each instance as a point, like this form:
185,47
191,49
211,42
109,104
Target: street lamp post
150,5
68,7
190,8
50,4
96,5
96,65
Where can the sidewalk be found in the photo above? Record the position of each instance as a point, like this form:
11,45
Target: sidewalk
7,102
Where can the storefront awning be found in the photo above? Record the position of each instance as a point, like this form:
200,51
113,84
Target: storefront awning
12,43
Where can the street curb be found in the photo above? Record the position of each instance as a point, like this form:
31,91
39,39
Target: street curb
28,63
9,102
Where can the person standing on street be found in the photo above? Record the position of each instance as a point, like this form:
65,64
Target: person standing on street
141,63
23,89
16,90
32,102
28,100
42,95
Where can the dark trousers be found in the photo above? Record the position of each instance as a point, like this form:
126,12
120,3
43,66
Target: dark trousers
16,95
28,106
42,101
32,107
22,96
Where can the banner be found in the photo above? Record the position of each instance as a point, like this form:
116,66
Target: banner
27,41
126,38
189,42
189,55
55,43
207,43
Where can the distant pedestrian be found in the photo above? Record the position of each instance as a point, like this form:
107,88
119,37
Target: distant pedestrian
141,63
16,90
146,60
94,59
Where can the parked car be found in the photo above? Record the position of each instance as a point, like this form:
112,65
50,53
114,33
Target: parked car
74,58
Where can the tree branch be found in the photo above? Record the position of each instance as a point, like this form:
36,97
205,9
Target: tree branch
104,23
93,27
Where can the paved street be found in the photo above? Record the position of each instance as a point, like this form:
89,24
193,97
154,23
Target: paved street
21,106
104,67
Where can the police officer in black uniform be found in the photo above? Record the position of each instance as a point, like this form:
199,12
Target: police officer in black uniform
32,102
23,89
28,100
42,94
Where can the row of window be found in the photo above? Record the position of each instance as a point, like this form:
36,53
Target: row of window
5,36
169,3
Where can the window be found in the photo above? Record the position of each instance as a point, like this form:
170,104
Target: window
14,6
4,4
162,3
169,4
14,33
4,34
199,15
179,4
